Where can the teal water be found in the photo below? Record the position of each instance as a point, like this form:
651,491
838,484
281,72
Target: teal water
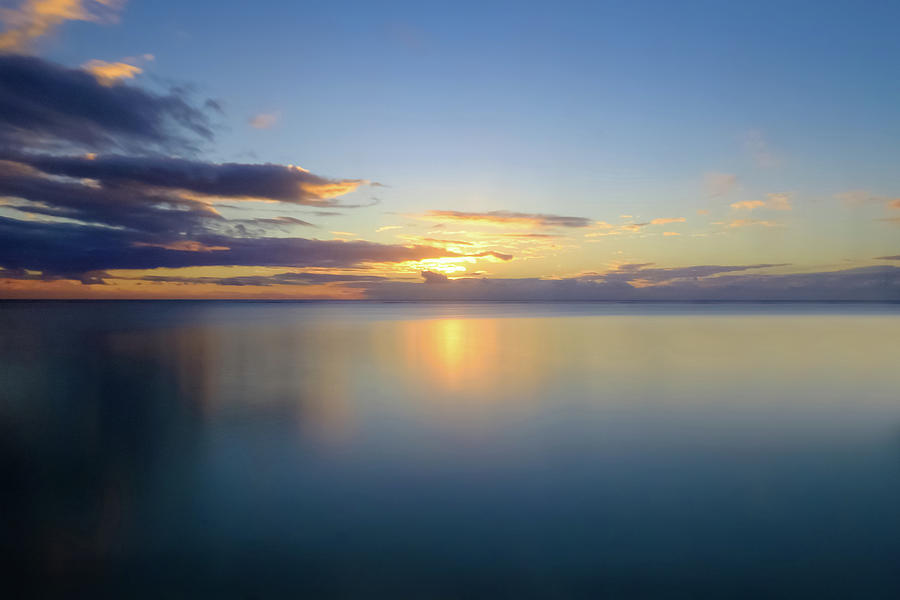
366,450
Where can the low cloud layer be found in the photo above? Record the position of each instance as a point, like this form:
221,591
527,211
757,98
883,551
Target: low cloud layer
696,283
71,250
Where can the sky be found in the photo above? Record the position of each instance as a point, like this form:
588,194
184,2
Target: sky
466,150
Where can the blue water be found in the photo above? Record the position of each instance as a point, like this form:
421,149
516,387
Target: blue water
367,450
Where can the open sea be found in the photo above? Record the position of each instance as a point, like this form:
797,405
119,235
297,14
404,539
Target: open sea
170,449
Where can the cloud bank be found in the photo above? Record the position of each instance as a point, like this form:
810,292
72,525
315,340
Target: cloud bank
696,283
70,213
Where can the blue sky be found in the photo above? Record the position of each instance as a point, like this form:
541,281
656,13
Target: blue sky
594,109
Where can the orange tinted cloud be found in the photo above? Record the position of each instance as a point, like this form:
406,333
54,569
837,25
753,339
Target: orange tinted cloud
665,221
109,73
507,218
747,204
752,222
772,202
35,18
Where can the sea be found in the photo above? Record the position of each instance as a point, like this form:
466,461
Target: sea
245,449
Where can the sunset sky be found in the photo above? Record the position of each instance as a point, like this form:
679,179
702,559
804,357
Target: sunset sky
418,150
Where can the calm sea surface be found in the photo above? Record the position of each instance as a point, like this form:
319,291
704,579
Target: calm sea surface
363,450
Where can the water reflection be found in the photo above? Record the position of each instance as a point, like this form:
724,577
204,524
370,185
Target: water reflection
366,451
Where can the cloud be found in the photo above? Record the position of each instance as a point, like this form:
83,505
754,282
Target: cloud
290,278
696,283
772,202
747,204
284,221
85,214
120,206
531,236
752,223
854,198
284,183
666,221
264,120
48,106
35,18
110,73
897,257
778,201
719,184
758,148
646,272
432,277
73,249
493,254
443,241
506,218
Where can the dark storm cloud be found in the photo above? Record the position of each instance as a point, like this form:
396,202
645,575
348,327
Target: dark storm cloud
878,284
46,105
226,180
71,250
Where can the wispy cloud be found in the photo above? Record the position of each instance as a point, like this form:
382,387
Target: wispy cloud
719,184
264,120
858,198
507,218
772,202
756,145
752,223
607,229
35,18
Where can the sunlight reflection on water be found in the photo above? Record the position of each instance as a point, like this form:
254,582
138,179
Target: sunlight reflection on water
451,450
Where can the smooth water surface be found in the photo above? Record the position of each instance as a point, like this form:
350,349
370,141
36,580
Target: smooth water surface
364,450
